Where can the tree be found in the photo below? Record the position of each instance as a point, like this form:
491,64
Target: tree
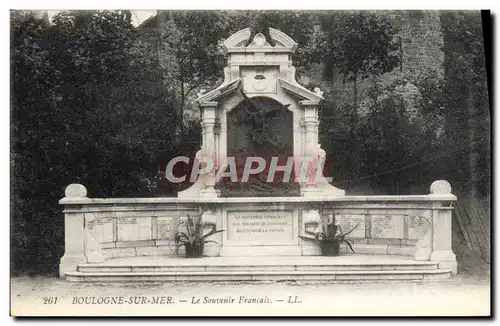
88,106
359,44
299,25
467,112
189,53
388,149
31,104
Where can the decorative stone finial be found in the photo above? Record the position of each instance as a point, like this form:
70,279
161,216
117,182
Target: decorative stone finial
440,187
318,91
202,92
259,39
75,190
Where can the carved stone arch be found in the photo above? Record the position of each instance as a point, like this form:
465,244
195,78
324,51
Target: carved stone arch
238,39
282,39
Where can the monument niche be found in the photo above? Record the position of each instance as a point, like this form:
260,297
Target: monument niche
260,127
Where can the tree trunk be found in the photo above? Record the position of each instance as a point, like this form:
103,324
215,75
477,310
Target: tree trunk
181,113
355,93
473,155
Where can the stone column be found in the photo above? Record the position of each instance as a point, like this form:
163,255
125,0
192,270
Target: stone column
441,227
208,124
310,122
74,235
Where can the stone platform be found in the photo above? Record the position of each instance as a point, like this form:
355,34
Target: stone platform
355,267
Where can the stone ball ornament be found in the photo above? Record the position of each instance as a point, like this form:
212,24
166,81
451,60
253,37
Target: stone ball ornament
440,187
75,190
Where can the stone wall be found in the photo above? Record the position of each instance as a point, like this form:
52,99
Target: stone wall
99,229
421,40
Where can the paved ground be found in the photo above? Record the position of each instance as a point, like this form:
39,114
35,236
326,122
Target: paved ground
462,295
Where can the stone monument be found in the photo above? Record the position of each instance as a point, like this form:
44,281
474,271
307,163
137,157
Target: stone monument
261,76
262,115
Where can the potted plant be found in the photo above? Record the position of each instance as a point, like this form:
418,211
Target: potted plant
330,238
193,238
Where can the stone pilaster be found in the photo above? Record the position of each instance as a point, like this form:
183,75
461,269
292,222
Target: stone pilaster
210,216
208,124
310,122
74,235
424,244
311,221
441,228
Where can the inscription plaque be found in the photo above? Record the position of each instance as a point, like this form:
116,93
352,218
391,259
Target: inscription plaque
387,226
347,222
102,229
167,226
260,227
134,228
417,226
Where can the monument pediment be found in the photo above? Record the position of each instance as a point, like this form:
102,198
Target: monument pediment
262,67
238,39
300,91
218,93
240,42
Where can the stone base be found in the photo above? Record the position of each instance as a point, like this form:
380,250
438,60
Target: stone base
69,263
322,190
271,268
193,191
449,265
210,193
446,259
211,250
311,250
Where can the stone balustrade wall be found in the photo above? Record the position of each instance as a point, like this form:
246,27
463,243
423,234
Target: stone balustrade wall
100,229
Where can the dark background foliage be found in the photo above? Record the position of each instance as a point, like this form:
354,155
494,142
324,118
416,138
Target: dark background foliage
97,101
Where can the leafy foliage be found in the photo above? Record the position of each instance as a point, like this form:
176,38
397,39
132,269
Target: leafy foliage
189,53
466,109
299,25
93,110
384,145
359,45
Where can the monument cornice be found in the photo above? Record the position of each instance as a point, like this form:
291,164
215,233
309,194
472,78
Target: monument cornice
214,95
309,103
296,89
210,104
259,49
239,200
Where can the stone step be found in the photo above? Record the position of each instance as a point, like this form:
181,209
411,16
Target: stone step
92,268
373,275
